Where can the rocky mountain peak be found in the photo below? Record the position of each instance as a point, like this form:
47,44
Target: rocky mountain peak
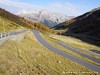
46,17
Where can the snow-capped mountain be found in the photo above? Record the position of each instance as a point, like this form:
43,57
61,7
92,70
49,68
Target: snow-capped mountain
45,17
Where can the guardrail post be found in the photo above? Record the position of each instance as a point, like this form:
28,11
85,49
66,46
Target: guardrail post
1,35
5,34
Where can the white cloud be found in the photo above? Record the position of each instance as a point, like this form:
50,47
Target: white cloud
64,8
20,5
15,6
11,5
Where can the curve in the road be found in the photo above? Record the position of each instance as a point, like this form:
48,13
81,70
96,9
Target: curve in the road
71,57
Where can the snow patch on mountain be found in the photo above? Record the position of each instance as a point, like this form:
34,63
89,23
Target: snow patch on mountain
45,17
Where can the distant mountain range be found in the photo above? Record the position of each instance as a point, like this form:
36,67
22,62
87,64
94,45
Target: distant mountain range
45,17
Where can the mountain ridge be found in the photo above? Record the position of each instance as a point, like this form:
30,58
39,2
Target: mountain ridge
86,25
45,17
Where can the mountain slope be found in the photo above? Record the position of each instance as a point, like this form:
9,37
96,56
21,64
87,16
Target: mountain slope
12,22
29,57
87,24
45,17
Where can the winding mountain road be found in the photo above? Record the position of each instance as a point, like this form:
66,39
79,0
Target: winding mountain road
58,51
75,50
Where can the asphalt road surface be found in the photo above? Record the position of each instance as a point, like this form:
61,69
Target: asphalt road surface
71,57
75,50
11,33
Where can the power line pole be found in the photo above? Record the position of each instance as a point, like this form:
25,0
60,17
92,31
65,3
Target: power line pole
1,35
4,28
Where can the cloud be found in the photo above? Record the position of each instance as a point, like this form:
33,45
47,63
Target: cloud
64,8
20,5
15,6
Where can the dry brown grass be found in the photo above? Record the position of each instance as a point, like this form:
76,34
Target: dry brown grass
29,57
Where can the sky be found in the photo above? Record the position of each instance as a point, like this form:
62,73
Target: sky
66,7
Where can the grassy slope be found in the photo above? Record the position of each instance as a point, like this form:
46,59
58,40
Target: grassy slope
8,25
12,22
53,38
28,57
75,42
